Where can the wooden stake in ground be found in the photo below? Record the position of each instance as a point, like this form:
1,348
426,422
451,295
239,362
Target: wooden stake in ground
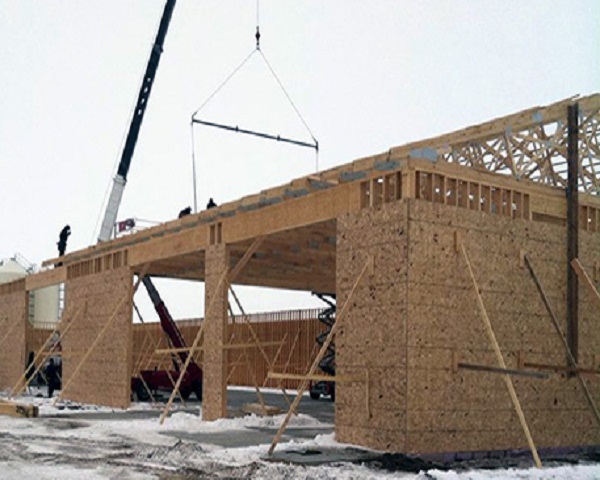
563,339
304,383
500,359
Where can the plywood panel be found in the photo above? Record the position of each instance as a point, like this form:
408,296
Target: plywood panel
452,410
13,327
373,335
105,377
214,403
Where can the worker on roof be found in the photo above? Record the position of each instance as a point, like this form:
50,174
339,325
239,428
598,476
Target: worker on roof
185,211
62,240
211,203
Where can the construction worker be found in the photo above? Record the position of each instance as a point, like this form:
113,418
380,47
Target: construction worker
62,241
211,204
185,211
52,377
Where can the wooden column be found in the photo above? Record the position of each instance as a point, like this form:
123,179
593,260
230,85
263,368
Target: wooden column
13,332
572,228
214,402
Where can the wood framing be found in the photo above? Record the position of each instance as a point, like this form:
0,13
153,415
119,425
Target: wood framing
13,321
97,349
587,281
500,359
14,409
496,189
570,357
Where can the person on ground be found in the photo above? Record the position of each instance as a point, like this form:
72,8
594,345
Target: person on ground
52,377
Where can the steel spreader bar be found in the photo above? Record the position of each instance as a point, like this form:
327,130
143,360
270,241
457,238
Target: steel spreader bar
268,136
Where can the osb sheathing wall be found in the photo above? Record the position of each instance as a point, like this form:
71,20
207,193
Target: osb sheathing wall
466,410
423,305
214,401
373,335
13,327
105,377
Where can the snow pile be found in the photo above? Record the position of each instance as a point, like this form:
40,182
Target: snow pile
194,423
99,443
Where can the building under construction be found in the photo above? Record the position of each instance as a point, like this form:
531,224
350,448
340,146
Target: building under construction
466,269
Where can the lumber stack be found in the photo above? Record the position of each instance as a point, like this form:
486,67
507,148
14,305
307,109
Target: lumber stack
18,409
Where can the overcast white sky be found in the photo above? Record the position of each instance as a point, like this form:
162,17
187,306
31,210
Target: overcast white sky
366,75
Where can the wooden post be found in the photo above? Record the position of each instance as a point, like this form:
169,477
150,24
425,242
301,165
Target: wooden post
572,228
501,363
304,383
570,357
214,368
228,277
126,297
193,348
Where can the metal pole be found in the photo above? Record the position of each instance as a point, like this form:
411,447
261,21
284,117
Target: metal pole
194,168
572,230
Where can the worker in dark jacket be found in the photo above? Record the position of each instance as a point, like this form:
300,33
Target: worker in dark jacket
211,204
62,241
52,377
186,211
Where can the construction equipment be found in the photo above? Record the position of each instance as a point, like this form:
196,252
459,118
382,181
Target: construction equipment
154,379
116,194
327,364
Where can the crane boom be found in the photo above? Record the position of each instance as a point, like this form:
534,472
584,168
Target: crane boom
114,200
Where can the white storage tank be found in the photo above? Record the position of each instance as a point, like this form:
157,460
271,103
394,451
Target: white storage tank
45,305
44,302
11,270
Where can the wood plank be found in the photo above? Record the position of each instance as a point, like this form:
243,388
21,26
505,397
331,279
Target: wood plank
260,410
169,246
18,409
46,278
316,377
587,281
561,368
506,371
492,336
225,346
559,332
304,384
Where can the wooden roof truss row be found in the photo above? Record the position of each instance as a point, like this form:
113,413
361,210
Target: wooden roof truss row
514,166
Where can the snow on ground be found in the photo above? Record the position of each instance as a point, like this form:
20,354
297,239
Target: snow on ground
102,443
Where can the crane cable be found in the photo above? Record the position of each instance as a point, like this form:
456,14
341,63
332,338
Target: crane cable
257,48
